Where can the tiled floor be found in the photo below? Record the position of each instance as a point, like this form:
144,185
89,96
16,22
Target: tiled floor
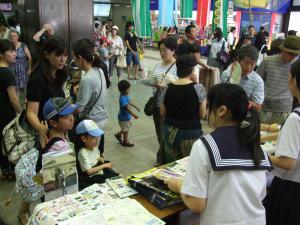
125,160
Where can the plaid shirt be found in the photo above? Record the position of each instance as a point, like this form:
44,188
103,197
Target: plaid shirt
252,84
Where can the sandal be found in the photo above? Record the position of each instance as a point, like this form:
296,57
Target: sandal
118,137
127,144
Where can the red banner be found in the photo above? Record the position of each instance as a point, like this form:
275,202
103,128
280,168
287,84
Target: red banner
202,12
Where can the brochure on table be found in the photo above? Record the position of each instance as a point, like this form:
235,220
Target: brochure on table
97,205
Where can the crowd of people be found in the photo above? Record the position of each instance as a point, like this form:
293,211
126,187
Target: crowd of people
225,166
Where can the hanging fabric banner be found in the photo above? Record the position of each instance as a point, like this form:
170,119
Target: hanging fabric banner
186,8
220,15
202,12
278,6
141,17
165,13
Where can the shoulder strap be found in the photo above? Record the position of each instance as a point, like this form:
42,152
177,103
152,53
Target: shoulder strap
50,143
262,47
170,67
22,46
45,150
94,103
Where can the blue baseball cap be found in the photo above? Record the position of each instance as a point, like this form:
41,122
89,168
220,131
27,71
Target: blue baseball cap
89,127
58,107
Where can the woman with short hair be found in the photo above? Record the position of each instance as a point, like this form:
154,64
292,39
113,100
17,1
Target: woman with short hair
22,67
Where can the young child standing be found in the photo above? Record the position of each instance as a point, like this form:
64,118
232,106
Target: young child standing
104,53
93,167
125,113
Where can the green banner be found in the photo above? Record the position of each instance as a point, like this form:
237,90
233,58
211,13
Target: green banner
186,8
220,15
141,17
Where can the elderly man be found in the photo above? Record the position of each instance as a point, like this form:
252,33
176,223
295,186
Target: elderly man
275,70
250,81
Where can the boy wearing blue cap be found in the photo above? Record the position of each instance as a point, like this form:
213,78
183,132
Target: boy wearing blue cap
58,113
93,167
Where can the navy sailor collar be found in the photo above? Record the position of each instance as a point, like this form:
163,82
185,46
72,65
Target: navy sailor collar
225,152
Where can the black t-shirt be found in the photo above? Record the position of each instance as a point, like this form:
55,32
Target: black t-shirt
39,89
132,39
7,112
182,105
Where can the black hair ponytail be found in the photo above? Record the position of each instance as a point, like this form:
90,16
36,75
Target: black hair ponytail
248,132
85,49
248,124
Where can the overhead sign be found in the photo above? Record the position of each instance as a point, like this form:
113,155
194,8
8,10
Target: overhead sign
278,6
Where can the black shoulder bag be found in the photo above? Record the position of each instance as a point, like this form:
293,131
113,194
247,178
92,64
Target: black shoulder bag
150,105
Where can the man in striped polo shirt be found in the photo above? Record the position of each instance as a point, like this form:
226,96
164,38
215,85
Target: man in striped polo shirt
275,70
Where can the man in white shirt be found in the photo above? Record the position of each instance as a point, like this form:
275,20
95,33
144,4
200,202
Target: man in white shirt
231,38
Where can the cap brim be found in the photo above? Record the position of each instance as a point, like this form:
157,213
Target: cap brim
289,50
96,133
68,110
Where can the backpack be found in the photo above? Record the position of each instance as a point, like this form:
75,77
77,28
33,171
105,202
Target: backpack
28,189
17,140
26,185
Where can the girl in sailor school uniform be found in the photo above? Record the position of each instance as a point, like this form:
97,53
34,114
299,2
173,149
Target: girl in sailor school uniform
225,179
283,200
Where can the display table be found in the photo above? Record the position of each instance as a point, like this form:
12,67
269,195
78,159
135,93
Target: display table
162,214
103,204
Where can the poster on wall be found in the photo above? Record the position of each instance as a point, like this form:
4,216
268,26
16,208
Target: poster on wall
258,19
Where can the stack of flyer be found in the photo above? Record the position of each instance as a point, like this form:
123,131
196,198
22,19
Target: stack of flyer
97,205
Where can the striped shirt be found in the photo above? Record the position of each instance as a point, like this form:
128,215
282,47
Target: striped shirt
158,75
252,84
275,74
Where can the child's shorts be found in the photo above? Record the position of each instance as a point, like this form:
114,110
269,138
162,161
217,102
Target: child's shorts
125,125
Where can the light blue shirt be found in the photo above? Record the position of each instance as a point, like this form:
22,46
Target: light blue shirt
252,84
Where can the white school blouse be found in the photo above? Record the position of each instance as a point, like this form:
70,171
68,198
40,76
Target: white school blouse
288,145
233,197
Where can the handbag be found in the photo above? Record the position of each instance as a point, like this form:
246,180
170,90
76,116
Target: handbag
260,56
150,104
121,61
18,138
222,56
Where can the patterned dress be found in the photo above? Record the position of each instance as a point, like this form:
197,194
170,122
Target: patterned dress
19,68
